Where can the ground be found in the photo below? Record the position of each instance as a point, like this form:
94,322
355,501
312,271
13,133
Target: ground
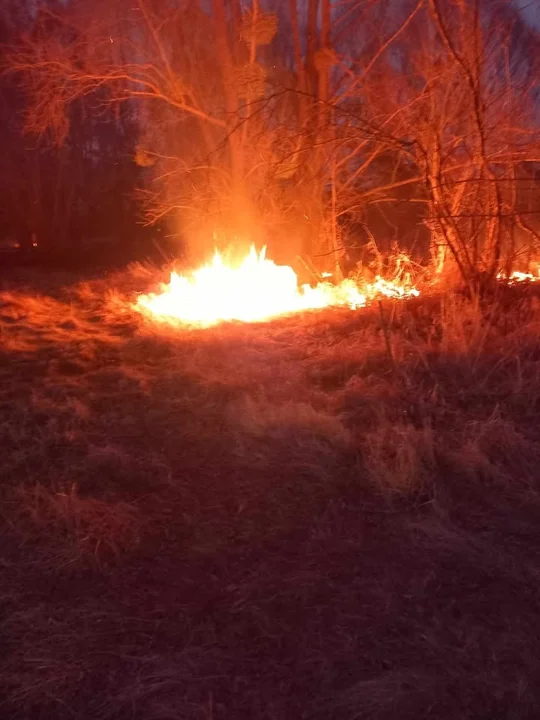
330,516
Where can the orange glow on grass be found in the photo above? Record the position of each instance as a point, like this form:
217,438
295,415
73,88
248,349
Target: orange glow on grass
255,290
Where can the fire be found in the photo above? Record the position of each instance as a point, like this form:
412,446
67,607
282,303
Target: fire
519,277
255,290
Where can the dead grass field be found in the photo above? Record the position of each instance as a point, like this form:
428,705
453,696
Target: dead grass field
267,522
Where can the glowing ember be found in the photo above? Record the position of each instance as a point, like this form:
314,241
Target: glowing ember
257,289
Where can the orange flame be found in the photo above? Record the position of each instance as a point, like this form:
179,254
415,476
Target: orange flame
256,290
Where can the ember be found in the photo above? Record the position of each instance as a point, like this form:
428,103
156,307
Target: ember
255,290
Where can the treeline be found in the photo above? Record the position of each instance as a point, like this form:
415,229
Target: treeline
65,193
331,132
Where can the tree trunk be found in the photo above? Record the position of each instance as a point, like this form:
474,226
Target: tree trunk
311,46
298,60
238,208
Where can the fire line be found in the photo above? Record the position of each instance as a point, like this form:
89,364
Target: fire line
255,290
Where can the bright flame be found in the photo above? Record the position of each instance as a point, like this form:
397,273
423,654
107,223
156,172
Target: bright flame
257,289
519,277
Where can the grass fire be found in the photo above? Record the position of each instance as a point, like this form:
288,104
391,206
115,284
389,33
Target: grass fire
269,360
256,289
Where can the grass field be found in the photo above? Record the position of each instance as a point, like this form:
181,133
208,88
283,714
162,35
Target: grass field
330,516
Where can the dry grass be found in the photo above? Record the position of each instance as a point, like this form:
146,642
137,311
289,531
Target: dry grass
270,521
84,528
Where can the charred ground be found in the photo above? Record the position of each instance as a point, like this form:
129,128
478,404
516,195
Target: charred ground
333,515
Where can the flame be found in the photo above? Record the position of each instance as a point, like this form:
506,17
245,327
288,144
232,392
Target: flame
255,290
519,277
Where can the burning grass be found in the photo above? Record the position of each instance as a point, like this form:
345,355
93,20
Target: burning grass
330,515
255,289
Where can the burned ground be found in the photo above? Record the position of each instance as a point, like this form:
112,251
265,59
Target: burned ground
282,520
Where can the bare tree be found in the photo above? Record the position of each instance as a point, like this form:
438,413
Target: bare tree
453,103
256,124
